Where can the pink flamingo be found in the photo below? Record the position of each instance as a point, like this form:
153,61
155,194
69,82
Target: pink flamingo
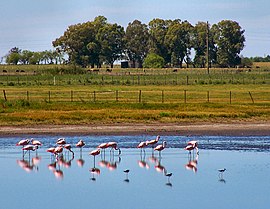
94,153
191,145
161,147
61,141
36,142
80,144
113,146
29,148
23,142
68,147
142,146
154,141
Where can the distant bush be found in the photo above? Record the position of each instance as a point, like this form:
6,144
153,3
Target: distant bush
153,61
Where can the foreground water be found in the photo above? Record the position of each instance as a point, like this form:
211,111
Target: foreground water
38,181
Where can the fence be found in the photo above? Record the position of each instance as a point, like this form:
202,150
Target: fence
146,96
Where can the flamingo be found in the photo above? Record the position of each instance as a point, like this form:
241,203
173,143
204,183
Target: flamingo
80,144
61,141
142,146
94,153
36,142
29,148
23,142
161,147
113,145
103,146
191,145
154,141
68,147
58,150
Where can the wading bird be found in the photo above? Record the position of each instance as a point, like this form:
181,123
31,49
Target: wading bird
94,153
161,147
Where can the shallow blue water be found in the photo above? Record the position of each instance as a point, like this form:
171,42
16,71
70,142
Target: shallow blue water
38,181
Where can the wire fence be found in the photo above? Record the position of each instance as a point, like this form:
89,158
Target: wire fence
140,96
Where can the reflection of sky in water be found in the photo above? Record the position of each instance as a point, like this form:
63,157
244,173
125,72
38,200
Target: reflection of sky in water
195,181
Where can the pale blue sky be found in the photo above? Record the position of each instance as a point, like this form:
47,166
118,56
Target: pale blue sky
34,24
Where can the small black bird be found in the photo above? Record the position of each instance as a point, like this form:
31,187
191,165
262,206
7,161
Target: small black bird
126,171
168,174
222,170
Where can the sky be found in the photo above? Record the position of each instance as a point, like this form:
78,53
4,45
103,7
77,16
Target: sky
34,24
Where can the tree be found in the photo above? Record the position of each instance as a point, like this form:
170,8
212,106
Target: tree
153,61
157,31
13,56
136,40
229,39
75,43
178,41
110,38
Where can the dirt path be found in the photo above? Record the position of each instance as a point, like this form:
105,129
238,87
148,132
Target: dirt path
232,129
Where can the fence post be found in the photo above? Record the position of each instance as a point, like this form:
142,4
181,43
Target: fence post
251,97
140,96
162,96
208,96
116,95
49,96
230,97
185,96
5,96
71,96
27,95
187,79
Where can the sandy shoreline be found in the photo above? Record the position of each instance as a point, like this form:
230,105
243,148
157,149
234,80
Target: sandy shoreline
213,129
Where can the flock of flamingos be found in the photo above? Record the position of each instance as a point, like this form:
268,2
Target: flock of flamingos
29,145
32,145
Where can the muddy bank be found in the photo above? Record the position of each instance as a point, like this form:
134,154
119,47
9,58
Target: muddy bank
210,129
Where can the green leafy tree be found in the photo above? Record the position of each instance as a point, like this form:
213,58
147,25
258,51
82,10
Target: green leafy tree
136,40
110,38
75,42
229,38
157,31
199,43
178,40
25,56
153,61
13,56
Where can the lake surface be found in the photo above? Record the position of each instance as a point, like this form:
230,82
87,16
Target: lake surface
39,181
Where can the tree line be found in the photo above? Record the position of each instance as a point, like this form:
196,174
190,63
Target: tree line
18,56
156,44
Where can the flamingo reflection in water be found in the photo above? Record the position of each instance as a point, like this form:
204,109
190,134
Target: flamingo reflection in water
112,164
142,163
95,172
30,164
192,163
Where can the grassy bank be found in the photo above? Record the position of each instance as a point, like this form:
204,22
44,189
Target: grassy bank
40,95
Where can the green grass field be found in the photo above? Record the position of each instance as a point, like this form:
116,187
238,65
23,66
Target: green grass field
47,95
